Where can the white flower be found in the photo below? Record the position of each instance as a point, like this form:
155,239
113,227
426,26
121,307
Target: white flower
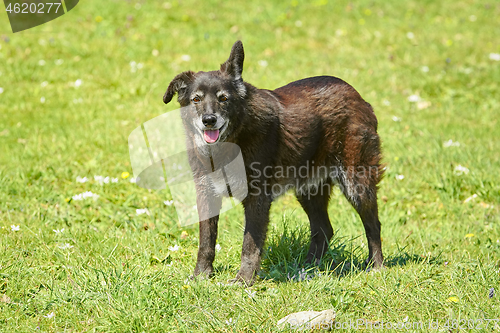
168,202
44,84
101,179
42,100
410,35
59,62
41,62
185,57
155,53
142,211
424,69
414,98
466,70
65,246
57,231
78,83
133,180
262,63
114,180
174,248
81,180
85,195
50,315
89,194
423,105
394,118
495,56
450,143
460,170
134,66
229,321
217,247
400,177
474,196
250,293
1,90
15,227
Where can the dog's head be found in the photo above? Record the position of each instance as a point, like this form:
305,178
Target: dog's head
212,102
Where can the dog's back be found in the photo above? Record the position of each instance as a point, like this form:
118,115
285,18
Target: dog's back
319,125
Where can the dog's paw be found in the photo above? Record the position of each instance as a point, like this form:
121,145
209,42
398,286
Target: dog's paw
242,281
202,274
236,282
371,265
313,261
200,277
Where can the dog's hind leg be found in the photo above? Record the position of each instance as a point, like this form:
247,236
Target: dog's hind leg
315,204
359,187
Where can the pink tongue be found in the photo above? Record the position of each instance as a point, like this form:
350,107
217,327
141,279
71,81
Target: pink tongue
211,136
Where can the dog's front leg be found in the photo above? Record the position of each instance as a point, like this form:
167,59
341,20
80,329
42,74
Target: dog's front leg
256,222
208,211
206,250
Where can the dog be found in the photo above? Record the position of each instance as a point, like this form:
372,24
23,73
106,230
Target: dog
310,135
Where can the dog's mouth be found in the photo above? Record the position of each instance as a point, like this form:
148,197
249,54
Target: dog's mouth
213,135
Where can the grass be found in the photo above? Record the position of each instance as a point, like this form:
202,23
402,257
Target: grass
116,272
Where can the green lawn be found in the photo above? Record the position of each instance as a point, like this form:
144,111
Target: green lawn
73,89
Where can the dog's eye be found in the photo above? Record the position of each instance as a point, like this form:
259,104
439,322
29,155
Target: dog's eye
222,98
196,99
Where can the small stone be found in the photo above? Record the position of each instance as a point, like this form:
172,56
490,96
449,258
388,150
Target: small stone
308,320
5,299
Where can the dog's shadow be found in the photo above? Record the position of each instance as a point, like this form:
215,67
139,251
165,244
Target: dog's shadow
284,257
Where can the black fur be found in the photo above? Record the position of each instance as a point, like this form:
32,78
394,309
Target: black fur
319,124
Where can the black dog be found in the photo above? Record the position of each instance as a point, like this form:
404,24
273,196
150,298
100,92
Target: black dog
309,135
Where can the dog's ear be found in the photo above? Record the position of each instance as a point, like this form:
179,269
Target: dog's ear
234,67
178,85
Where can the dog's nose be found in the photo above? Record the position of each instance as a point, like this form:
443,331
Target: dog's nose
209,120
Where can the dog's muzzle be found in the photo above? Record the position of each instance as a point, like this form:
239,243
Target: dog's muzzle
213,126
